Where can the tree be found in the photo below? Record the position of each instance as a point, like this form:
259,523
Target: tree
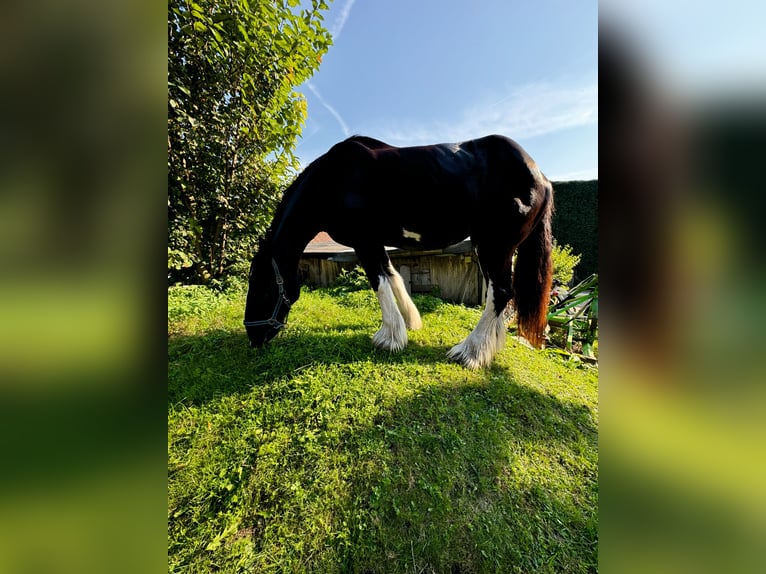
233,119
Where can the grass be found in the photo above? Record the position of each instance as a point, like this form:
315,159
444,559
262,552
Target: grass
320,453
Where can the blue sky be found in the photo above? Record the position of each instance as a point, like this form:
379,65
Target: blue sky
417,72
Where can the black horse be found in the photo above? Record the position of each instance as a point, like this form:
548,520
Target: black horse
367,194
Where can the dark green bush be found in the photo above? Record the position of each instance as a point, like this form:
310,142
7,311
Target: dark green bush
575,222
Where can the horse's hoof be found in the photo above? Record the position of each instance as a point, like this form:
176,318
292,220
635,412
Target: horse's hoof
388,340
470,355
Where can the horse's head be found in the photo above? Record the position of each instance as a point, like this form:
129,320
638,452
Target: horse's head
269,298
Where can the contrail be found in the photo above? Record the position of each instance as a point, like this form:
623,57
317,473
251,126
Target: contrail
340,21
333,111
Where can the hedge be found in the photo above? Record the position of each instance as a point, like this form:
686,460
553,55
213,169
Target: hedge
575,222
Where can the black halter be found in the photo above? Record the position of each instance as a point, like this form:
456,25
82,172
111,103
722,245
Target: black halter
282,300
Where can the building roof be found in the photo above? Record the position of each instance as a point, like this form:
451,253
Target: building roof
323,244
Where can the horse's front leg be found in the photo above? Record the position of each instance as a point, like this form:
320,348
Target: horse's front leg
488,337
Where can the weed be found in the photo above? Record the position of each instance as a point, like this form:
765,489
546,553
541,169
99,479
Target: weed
353,280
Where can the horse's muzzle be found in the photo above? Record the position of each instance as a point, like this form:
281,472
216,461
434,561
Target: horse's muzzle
260,337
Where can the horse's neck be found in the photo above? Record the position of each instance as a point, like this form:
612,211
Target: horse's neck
292,235
296,222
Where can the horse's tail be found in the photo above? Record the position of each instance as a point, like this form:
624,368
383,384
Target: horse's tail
533,275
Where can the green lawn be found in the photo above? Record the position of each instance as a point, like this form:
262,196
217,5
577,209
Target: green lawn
322,454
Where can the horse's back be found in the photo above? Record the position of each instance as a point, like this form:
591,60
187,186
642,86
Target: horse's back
444,192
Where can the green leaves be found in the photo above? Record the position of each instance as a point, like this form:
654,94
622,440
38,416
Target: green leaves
564,263
233,120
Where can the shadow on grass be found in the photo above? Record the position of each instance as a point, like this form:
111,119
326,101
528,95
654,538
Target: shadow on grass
473,474
202,367
494,477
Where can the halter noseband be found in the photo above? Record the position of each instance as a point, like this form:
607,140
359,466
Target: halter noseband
282,300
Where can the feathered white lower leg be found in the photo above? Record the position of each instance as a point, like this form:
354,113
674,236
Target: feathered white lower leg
406,306
487,338
392,335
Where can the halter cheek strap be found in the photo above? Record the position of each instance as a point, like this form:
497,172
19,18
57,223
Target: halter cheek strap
282,300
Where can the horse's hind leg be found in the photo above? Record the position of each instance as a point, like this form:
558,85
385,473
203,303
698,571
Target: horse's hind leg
403,301
488,337
388,286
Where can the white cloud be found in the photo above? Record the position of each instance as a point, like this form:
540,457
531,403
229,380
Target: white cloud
524,113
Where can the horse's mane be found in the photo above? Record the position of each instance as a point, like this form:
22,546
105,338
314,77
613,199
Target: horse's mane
289,197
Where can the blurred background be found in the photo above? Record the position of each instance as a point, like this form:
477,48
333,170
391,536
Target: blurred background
82,226
82,291
682,393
